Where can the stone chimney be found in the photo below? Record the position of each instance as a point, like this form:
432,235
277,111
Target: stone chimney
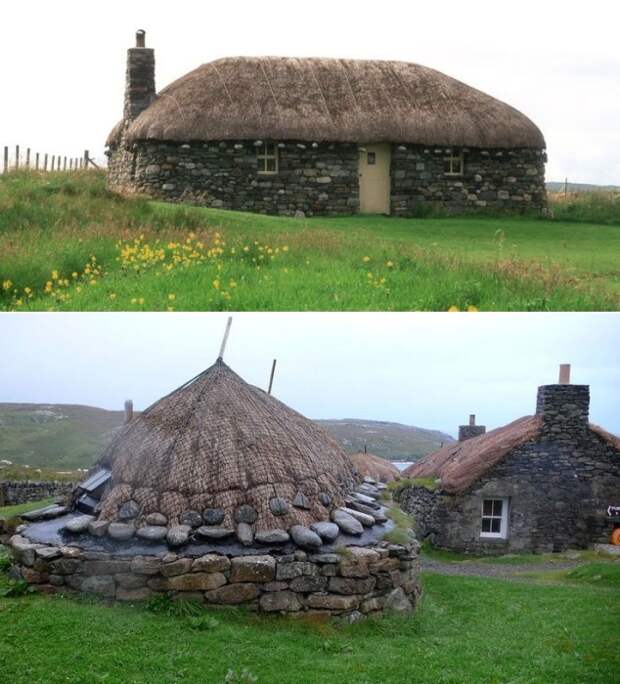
140,78
128,411
471,430
563,406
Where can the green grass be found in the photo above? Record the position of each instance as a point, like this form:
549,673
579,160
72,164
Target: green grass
600,574
600,207
464,631
11,511
59,222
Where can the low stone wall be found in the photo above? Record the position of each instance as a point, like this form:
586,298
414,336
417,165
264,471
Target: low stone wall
354,582
17,492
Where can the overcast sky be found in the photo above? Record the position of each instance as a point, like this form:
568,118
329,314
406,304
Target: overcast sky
63,62
429,370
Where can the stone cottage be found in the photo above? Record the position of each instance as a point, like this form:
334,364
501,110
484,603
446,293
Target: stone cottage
541,483
322,136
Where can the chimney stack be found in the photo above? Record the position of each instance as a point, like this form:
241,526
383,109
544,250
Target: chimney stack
471,430
140,78
128,410
563,406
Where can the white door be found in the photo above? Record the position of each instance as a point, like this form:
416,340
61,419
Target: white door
374,178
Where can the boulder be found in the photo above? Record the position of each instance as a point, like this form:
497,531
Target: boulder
397,602
305,537
79,524
98,528
278,505
245,534
145,566
326,530
253,569
274,536
140,594
246,514
233,593
177,567
197,581
178,535
325,499
156,519
307,584
331,602
48,553
211,562
347,585
282,601
347,523
129,510
152,532
121,531
301,501
190,518
212,516
207,532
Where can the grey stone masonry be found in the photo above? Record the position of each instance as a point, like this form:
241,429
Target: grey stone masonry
321,178
139,82
469,431
24,491
563,407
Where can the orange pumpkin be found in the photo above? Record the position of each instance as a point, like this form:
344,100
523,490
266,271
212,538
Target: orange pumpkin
615,537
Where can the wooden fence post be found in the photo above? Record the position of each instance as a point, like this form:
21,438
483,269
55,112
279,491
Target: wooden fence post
6,159
86,159
45,162
27,157
16,157
64,164
36,163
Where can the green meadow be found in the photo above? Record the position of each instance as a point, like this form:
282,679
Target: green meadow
66,243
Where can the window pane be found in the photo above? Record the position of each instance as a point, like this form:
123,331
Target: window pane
486,524
487,507
447,166
495,525
497,507
271,164
372,158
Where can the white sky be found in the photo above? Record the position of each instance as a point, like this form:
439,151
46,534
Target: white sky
62,63
430,370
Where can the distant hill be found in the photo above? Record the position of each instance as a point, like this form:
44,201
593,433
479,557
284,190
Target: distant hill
555,186
393,441
66,437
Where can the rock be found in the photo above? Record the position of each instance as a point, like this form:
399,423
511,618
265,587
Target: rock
79,524
274,536
274,586
253,569
48,553
197,581
368,490
307,584
323,558
245,534
177,567
246,514
152,532
141,594
211,562
326,530
156,519
102,585
299,214
283,601
65,566
98,528
346,585
325,499
145,566
105,567
212,516
347,523
129,510
178,535
366,520
305,537
398,602
233,593
287,571
363,508
127,580
121,531
353,568
192,518
207,532
370,480
368,500
278,505
301,501
354,617
330,602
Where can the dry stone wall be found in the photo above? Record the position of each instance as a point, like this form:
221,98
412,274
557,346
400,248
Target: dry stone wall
24,491
354,582
322,178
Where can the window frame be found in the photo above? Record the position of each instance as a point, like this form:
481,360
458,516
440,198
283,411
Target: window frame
503,518
458,159
263,156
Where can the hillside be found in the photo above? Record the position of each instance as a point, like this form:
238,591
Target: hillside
66,437
558,186
393,441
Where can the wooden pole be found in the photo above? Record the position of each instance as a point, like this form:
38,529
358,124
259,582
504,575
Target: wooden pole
36,162
27,157
273,370
86,159
45,162
223,347
70,164
53,162
565,187
16,157
6,159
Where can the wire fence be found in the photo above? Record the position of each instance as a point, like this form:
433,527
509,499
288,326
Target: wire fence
14,159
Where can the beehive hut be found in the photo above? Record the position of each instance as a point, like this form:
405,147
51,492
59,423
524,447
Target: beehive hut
542,483
318,136
375,467
220,490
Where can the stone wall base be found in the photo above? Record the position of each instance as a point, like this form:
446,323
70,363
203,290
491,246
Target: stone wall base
354,582
14,492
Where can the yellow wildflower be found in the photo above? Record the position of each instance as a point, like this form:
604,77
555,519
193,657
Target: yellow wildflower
172,297
141,300
390,264
27,290
48,286
54,275
232,284
453,309
366,259
6,284
112,296
216,284
285,248
471,308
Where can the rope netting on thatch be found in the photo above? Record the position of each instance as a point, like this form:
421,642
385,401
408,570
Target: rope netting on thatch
374,466
218,442
341,100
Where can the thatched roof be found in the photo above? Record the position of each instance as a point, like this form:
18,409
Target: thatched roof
218,442
344,100
374,466
459,465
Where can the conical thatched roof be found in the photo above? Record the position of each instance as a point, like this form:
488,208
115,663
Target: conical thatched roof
312,99
371,465
219,443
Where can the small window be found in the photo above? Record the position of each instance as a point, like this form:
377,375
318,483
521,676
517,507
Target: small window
267,156
454,165
372,158
494,518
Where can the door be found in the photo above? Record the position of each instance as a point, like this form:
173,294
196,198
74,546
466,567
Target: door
374,177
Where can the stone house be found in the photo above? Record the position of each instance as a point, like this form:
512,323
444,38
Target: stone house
322,137
542,483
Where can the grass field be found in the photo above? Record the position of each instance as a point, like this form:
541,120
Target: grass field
68,244
466,630
11,511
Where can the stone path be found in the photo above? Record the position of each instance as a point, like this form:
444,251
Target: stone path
505,571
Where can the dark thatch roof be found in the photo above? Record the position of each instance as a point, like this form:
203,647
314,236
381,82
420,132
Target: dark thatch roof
460,465
218,442
341,100
374,466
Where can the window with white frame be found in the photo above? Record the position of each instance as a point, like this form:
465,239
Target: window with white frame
267,156
454,164
494,518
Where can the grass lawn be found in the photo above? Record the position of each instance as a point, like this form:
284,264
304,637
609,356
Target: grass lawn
466,630
68,244
10,511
